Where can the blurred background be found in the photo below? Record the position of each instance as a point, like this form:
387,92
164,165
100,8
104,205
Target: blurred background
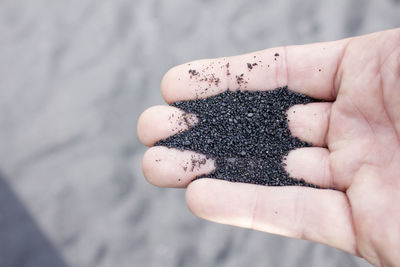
74,77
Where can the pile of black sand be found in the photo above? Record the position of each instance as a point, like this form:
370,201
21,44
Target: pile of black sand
245,132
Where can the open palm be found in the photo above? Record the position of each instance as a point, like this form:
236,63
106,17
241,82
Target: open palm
355,135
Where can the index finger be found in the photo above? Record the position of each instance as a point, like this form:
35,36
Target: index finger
308,69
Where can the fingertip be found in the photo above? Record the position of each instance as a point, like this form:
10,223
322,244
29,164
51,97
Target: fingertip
197,79
310,164
165,85
169,83
168,167
160,122
157,167
152,124
191,196
148,161
196,197
221,201
310,122
142,125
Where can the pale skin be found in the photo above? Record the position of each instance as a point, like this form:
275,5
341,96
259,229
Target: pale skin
355,135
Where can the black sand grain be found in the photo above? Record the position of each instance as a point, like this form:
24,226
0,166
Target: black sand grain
246,133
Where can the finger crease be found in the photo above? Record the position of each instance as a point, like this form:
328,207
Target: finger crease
286,66
337,76
299,215
254,208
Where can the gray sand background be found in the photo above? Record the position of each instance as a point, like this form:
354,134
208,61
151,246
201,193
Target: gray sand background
74,77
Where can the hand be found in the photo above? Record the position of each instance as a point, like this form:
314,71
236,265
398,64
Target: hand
355,133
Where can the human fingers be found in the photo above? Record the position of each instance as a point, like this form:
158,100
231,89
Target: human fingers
159,122
310,122
308,69
311,164
167,167
301,212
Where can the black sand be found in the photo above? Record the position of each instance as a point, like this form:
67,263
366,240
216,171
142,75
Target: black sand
246,133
